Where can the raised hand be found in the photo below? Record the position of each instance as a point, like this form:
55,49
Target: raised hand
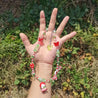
44,55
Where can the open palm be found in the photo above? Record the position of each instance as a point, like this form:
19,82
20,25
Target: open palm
44,55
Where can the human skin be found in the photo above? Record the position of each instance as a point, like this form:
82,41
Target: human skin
44,58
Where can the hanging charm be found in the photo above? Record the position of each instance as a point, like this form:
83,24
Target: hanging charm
43,86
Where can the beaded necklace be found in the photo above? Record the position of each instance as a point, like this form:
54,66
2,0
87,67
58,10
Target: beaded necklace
49,47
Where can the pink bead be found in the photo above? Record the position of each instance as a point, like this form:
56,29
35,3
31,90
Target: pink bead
54,77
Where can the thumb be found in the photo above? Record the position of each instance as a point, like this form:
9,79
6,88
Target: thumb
25,39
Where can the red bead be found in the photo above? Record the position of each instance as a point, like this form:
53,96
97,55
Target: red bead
56,43
32,65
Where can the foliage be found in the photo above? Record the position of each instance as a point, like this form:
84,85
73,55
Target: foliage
77,55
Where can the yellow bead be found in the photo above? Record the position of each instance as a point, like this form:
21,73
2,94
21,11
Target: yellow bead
49,47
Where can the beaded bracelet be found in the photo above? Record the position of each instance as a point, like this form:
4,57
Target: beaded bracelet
37,47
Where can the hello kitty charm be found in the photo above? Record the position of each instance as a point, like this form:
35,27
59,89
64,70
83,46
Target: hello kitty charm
43,86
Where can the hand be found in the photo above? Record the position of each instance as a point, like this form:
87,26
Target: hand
44,55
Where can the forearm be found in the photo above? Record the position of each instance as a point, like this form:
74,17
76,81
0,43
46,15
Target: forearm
43,71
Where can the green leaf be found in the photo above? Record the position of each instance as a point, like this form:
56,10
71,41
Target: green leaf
65,84
87,86
17,82
25,82
17,32
82,81
77,87
22,65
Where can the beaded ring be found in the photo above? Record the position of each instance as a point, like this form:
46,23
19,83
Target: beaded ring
37,47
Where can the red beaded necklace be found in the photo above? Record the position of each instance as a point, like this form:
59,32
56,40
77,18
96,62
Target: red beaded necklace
37,47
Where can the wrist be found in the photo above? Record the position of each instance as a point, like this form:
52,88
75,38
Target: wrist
44,70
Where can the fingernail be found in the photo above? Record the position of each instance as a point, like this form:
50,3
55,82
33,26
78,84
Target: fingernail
42,13
55,8
67,17
74,32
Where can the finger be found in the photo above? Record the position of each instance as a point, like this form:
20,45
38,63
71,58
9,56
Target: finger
42,21
24,39
62,25
65,38
52,20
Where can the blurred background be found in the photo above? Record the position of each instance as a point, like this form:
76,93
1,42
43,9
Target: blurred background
79,56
